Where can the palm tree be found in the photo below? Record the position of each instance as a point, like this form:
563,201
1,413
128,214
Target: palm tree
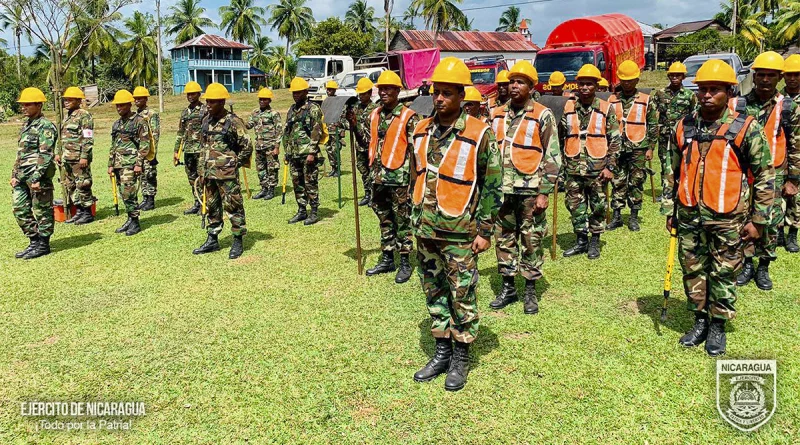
361,17
187,20
11,17
409,15
440,15
766,6
465,25
103,40
510,20
139,52
789,21
278,61
259,55
241,20
293,20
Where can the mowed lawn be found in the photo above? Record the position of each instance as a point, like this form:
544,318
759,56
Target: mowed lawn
289,345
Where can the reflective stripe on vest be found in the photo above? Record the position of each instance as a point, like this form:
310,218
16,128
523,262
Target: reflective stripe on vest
395,142
595,133
634,126
526,144
776,138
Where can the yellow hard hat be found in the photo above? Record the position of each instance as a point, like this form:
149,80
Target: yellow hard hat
525,69
557,79
472,95
298,84
216,91
122,97
452,70
430,89
73,93
603,83
31,95
331,84
769,60
792,64
677,68
502,77
628,70
364,85
265,93
192,87
716,70
141,92
589,71
389,78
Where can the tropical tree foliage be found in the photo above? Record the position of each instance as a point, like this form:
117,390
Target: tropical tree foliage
510,20
361,17
332,36
187,20
440,15
139,51
241,20
259,55
294,21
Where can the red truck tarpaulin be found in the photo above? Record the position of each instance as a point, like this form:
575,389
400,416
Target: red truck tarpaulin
618,31
417,65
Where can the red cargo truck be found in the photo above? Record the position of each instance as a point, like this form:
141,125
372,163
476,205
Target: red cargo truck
484,71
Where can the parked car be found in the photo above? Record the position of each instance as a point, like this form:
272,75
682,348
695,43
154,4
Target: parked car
743,74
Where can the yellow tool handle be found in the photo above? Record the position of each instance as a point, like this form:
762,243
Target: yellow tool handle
114,188
203,206
285,176
673,243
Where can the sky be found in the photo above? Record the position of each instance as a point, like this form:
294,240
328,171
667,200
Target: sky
544,16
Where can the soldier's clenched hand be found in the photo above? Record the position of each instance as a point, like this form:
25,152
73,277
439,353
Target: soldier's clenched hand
35,186
310,159
110,171
750,232
83,163
606,175
541,204
789,189
14,182
137,169
480,244
58,159
648,155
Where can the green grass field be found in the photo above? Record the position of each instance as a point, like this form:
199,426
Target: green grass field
289,345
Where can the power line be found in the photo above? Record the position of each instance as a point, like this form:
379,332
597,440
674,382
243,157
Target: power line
495,6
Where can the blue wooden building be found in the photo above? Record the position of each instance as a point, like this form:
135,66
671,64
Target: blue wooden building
209,58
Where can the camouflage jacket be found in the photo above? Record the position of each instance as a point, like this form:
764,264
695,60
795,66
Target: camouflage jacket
651,122
35,150
130,142
190,129
795,97
672,106
541,182
380,174
583,164
761,112
154,121
362,124
428,221
303,130
226,146
758,157
77,136
267,124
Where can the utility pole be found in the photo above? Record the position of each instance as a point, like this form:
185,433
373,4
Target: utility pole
733,19
158,46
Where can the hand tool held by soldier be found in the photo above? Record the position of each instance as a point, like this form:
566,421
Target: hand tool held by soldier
190,140
527,135
713,151
32,175
791,76
75,155
360,123
267,125
456,195
337,134
150,169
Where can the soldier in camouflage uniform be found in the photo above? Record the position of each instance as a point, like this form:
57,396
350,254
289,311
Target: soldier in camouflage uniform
638,114
130,144
32,175
267,124
531,164
337,133
673,103
780,117
189,140
301,138
150,176
75,150
359,121
713,220
590,159
791,75
453,219
226,148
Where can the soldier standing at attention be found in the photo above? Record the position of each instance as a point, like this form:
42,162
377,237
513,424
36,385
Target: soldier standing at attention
602,86
456,197
359,121
301,137
130,144
791,75
75,150
424,89
32,175
638,134
267,124
226,148
590,139
709,201
391,131
190,138
528,137
557,81
472,103
150,176
502,89
336,134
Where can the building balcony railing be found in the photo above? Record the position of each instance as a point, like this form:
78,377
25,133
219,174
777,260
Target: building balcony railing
217,64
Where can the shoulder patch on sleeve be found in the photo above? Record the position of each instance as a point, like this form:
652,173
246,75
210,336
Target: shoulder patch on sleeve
88,133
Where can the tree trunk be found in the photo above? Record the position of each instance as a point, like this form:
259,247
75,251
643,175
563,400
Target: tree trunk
94,72
58,75
19,54
388,18
283,65
160,85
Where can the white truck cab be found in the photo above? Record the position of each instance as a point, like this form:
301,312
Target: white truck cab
347,85
318,70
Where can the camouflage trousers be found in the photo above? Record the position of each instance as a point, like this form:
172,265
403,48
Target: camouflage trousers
305,181
711,256
334,149
191,162
392,206
517,220
362,164
34,210
791,206
267,165
79,184
663,152
448,271
766,247
128,188
150,178
628,183
225,194
586,203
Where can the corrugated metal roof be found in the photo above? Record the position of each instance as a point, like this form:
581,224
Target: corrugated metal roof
648,30
469,41
687,27
212,41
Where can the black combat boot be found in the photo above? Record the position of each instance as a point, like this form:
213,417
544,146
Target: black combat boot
507,295
366,199
698,333
301,215
715,344
781,237
134,228
270,193
31,244
74,216
438,364
41,248
762,275
746,274
385,265
633,221
616,220
261,194
791,241
193,210
149,203
581,246
404,271
236,247
530,301
211,245
594,247
459,367
125,226
84,216
313,217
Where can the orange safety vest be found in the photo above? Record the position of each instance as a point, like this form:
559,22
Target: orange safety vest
775,128
634,126
596,142
457,173
395,142
722,165
526,143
